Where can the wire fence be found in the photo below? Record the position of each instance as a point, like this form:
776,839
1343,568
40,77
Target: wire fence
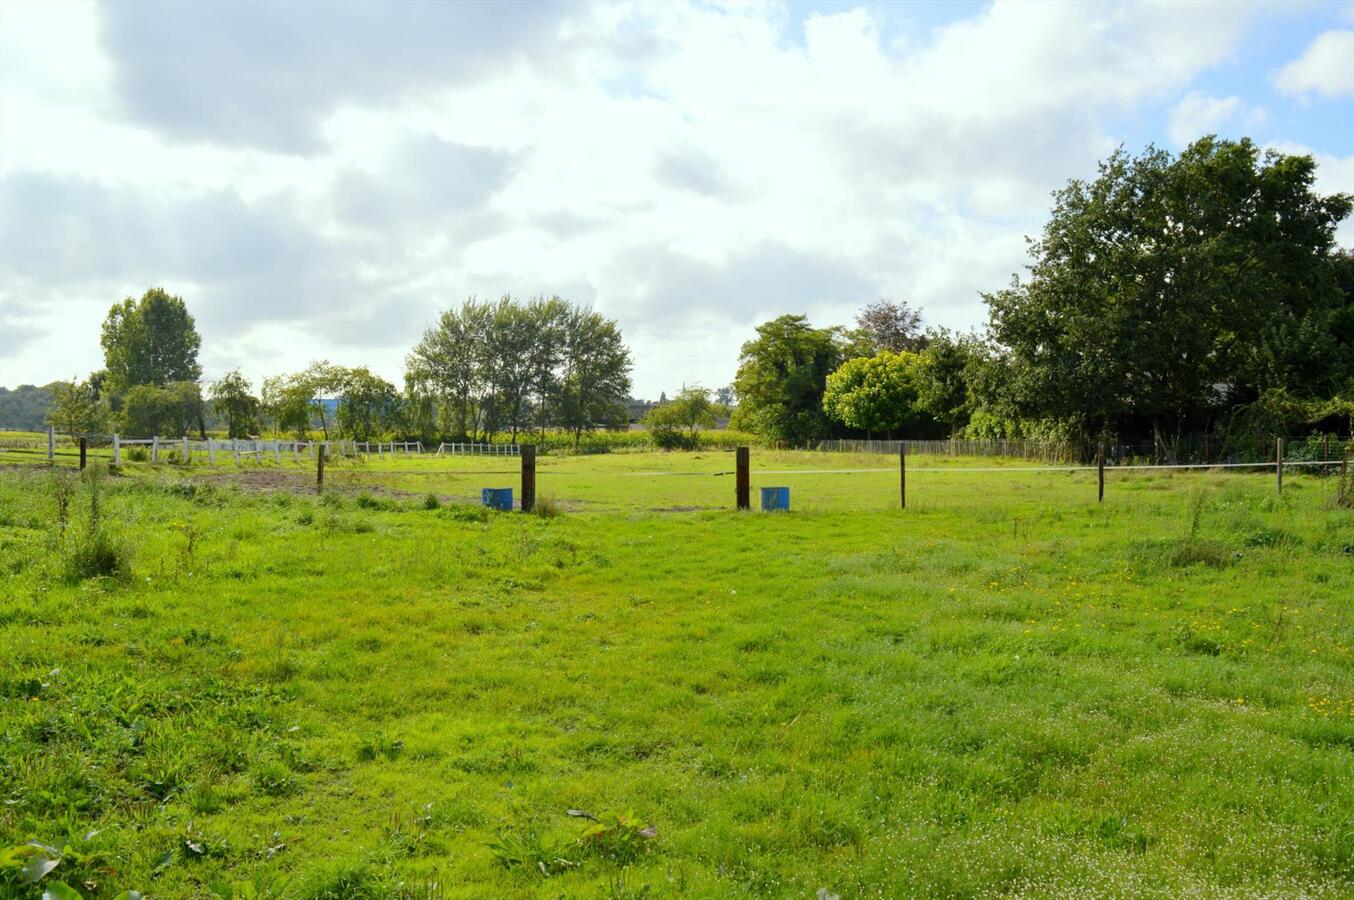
658,481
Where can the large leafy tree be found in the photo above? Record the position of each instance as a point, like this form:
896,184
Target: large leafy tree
232,398
1170,286
782,374
499,366
596,368
170,410
153,340
874,394
946,377
369,405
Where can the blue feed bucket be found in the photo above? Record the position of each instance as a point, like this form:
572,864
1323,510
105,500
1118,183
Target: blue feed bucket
775,498
497,498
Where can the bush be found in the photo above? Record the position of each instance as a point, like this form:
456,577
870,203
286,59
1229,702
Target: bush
431,502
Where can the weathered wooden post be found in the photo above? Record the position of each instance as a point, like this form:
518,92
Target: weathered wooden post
277,452
187,455
51,444
117,450
1278,464
82,451
1100,472
528,477
211,452
902,474
319,471
155,448
743,482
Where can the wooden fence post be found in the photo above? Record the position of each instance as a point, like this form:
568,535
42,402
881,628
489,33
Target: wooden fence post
51,444
528,477
235,448
1100,472
187,454
902,474
319,471
117,450
743,482
1278,464
211,452
82,451
155,448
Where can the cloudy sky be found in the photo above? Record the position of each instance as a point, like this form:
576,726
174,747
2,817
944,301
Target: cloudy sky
318,179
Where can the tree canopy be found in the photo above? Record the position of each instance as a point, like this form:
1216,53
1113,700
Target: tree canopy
782,374
875,394
153,340
231,398
1171,287
505,365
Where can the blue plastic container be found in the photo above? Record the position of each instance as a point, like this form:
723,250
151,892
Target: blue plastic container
775,498
497,498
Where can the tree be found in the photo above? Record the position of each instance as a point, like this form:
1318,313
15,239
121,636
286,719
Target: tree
289,402
596,373
26,407
150,341
500,366
676,422
892,326
369,405
782,374
231,398
874,393
1169,288
172,410
75,408
447,364
725,396
945,373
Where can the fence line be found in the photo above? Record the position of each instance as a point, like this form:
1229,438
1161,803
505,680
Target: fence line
458,449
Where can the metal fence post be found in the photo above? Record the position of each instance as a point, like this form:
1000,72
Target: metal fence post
1278,464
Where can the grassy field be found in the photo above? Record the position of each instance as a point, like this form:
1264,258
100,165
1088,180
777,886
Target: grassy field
1005,690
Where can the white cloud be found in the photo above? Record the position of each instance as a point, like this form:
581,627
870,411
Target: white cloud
1198,114
689,169
1325,68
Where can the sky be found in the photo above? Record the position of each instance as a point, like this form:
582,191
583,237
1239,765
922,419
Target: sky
319,180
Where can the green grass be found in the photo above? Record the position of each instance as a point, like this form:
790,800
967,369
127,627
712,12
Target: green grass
1006,689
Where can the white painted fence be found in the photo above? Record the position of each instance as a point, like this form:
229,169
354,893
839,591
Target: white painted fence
478,450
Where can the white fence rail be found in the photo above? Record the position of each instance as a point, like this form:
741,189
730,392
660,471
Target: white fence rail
445,449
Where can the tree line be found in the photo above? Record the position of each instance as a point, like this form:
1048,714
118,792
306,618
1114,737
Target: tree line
1171,297
484,369
1168,298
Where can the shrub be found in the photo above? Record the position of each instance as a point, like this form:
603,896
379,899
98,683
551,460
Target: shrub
431,502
